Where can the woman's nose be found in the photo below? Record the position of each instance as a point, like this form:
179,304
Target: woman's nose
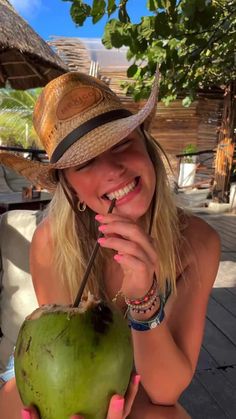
111,167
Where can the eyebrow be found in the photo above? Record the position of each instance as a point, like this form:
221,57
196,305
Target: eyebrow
121,142
113,147
84,164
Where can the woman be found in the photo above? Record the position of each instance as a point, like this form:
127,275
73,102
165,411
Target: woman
156,263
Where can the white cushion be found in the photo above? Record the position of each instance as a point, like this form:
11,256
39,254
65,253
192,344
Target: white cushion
17,298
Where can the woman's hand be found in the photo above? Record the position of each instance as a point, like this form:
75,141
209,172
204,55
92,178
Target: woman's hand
31,413
136,253
119,407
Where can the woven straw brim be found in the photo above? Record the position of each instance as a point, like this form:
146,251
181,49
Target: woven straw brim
81,151
89,146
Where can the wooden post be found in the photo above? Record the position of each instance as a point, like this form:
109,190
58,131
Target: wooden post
225,148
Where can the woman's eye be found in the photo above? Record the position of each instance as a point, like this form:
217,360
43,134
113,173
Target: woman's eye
122,146
84,165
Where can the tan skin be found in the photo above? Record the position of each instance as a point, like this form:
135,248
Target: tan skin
166,356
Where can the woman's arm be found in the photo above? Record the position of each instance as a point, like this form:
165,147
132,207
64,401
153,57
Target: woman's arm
10,402
48,285
166,356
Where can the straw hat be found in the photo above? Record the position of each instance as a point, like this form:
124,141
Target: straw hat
77,117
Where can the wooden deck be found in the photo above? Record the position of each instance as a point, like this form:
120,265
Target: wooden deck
212,393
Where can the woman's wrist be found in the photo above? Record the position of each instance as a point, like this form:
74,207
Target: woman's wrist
142,325
144,296
147,315
144,306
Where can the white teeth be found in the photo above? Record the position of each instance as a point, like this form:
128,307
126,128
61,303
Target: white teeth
122,192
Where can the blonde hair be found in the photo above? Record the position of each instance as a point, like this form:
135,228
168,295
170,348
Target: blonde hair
75,236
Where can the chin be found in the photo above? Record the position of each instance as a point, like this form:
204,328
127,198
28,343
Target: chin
135,212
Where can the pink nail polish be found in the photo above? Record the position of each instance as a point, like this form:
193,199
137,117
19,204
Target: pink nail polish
102,228
118,258
98,217
25,413
101,240
136,379
118,404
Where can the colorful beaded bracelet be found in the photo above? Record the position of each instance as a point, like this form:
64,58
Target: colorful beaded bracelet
143,308
146,298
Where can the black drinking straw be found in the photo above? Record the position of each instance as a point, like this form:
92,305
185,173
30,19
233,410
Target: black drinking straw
90,262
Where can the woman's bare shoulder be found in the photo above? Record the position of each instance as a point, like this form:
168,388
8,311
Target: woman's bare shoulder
198,231
41,248
201,243
42,236
48,284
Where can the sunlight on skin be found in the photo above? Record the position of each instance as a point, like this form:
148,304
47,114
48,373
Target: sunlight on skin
142,408
110,171
10,397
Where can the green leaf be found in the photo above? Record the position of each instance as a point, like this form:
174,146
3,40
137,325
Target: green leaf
186,102
137,96
114,35
152,5
111,7
16,111
98,8
169,98
147,27
163,4
193,41
162,25
122,14
79,12
132,70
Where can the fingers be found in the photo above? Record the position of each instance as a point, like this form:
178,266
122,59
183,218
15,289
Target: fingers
108,218
124,247
120,408
129,231
116,407
134,262
131,394
29,413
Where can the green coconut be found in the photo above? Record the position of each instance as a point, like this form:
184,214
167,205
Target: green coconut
72,360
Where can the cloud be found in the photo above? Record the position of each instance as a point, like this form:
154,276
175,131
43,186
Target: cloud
27,8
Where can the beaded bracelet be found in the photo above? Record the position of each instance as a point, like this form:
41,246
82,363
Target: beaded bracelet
143,308
146,298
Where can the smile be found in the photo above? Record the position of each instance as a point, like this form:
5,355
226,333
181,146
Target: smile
120,193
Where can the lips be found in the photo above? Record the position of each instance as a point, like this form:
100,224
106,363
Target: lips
120,193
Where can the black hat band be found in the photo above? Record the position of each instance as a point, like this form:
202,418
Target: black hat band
85,128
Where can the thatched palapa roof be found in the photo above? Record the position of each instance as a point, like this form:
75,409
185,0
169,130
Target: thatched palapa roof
26,60
73,52
89,55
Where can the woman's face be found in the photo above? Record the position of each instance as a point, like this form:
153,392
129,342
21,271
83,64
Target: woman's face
124,172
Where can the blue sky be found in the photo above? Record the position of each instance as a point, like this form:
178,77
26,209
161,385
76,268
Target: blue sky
52,17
